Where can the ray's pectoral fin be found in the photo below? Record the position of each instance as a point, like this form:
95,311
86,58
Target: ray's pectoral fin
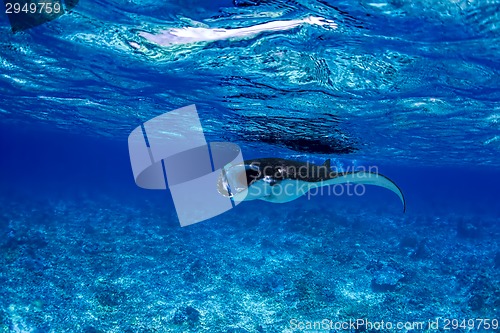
368,178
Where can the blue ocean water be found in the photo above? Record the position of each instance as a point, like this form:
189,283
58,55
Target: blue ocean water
409,87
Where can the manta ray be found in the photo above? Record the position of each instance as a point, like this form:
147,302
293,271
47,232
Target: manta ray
280,180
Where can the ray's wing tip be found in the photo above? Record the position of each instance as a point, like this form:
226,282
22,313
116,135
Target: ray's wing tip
403,199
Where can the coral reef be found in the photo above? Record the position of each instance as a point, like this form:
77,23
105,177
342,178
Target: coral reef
104,266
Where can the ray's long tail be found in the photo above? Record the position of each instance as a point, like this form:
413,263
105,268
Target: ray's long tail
369,178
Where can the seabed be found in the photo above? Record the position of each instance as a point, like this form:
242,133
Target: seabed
98,265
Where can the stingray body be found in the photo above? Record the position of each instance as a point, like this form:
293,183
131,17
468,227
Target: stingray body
280,180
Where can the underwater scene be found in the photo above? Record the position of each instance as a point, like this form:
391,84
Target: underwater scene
244,166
